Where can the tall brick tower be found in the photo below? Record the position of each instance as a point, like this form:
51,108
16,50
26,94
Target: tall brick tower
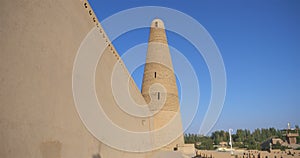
159,86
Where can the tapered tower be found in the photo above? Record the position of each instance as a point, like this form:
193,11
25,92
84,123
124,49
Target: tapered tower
159,86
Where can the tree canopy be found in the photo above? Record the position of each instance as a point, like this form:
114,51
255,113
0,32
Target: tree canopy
242,138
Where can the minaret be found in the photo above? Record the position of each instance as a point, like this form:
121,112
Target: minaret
159,85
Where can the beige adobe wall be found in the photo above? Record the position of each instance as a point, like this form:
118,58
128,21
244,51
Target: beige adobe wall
39,41
105,94
188,149
213,154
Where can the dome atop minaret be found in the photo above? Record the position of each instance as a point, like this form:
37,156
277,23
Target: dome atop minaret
157,32
158,23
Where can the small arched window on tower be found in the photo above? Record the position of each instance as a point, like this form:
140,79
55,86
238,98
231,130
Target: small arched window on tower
156,24
158,95
154,74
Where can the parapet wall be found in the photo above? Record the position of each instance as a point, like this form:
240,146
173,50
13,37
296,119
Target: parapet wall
39,41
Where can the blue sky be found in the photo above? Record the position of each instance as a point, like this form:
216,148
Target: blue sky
260,45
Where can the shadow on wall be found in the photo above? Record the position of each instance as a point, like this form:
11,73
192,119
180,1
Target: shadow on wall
96,156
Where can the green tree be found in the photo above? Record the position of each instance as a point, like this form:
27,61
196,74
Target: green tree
243,138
